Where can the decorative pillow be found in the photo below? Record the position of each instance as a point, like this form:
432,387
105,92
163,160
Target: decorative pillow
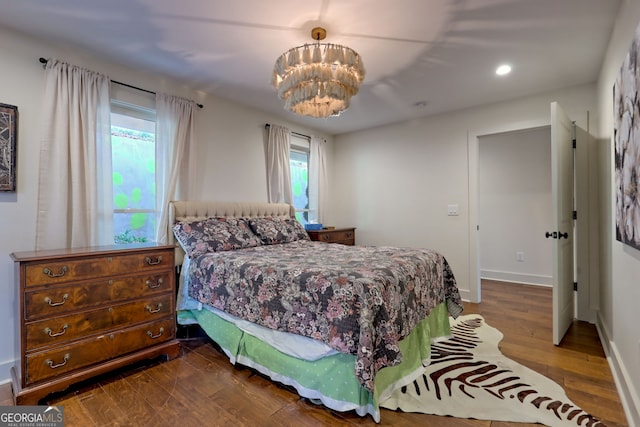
214,235
272,230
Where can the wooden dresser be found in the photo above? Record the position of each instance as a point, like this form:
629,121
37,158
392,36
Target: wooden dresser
84,312
345,236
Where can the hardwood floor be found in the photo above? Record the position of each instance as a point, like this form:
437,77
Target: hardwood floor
201,388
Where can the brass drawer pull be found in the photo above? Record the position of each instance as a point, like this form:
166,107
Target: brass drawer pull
49,362
55,304
49,332
154,310
151,285
53,275
155,336
151,261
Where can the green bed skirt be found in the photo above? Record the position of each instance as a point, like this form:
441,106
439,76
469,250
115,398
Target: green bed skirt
330,380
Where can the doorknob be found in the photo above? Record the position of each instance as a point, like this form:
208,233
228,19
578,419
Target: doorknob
556,235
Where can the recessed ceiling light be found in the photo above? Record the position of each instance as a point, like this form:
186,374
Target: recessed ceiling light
503,70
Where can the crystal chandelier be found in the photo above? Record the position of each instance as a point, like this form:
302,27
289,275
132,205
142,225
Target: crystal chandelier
318,79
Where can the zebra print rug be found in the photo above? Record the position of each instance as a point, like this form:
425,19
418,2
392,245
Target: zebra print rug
470,378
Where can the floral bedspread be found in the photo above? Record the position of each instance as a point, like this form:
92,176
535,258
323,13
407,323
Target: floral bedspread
357,299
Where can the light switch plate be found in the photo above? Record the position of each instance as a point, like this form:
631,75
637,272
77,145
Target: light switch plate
452,210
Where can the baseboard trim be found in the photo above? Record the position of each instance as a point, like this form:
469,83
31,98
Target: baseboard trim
465,295
629,397
5,371
509,276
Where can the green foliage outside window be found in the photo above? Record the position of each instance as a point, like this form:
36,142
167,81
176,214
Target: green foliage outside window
299,167
126,237
138,220
120,201
133,163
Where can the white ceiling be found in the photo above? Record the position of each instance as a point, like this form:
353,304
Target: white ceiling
440,54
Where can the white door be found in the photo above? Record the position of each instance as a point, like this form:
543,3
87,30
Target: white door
561,237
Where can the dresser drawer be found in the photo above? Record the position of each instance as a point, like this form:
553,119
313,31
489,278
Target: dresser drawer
343,236
48,364
58,330
59,300
51,272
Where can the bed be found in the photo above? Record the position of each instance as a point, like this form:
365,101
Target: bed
343,325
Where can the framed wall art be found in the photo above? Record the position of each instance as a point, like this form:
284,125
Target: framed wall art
8,141
626,139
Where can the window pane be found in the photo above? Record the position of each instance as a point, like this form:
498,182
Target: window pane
299,163
134,227
134,182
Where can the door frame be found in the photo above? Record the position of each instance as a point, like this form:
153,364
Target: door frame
473,158
587,273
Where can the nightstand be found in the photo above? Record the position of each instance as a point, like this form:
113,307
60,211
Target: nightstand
344,236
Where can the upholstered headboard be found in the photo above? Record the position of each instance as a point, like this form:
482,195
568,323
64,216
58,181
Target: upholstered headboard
191,210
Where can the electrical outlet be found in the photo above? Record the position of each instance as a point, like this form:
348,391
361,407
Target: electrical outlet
520,256
452,210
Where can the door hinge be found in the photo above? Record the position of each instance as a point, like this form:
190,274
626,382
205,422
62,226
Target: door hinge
575,214
575,286
574,143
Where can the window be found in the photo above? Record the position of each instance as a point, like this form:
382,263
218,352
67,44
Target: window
299,165
133,151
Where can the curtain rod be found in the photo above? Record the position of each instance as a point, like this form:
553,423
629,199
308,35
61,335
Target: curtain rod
268,125
44,61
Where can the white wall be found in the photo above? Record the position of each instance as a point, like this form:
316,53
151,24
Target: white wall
620,264
20,85
396,181
515,206
231,153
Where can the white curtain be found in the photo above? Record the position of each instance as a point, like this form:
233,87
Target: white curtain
74,210
317,180
278,168
175,155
